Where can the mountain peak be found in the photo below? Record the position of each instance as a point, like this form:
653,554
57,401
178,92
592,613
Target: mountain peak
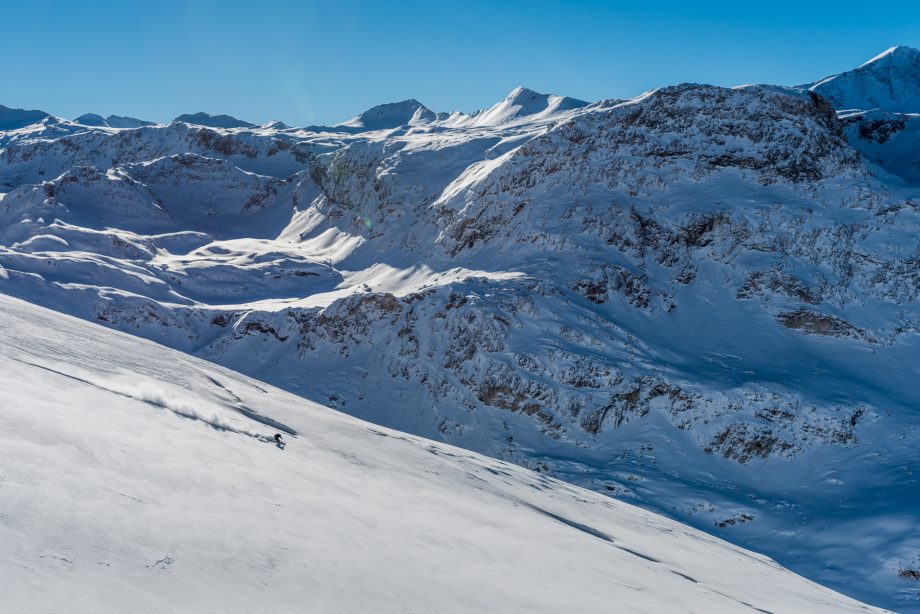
894,55
521,92
276,124
524,102
391,115
91,119
889,81
112,121
122,121
13,119
213,121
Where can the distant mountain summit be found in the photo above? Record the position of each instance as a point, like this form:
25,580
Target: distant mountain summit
13,119
120,121
523,102
275,125
112,121
91,119
391,115
520,104
213,121
889,81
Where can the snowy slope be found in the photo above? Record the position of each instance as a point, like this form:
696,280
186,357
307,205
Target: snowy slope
702,300
139,479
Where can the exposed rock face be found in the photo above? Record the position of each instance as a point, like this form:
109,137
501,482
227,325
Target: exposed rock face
702,289
819,324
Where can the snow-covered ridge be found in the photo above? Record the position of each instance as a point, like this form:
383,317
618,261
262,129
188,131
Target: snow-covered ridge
691,300
133,472
521,104
213,121
393,115
112,121
13,119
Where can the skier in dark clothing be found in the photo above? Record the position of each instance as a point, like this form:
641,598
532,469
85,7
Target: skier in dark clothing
279,441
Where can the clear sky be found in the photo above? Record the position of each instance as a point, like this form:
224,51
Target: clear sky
306,62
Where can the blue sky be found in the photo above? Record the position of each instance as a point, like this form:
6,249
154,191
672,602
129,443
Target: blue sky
322,62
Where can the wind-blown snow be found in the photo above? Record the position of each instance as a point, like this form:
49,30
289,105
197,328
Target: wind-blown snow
108,503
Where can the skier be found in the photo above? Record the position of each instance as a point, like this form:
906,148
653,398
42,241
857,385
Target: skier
279,441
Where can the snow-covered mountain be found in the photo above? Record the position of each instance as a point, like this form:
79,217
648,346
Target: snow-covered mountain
521,104
213,121
701,300
13,119
139,479
880,109
392,115
112,121
890,81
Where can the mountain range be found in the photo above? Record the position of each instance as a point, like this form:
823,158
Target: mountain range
701,300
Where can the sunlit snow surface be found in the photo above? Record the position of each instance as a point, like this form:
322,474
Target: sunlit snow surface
137,479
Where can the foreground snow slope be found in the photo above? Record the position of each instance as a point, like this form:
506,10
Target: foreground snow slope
139,479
